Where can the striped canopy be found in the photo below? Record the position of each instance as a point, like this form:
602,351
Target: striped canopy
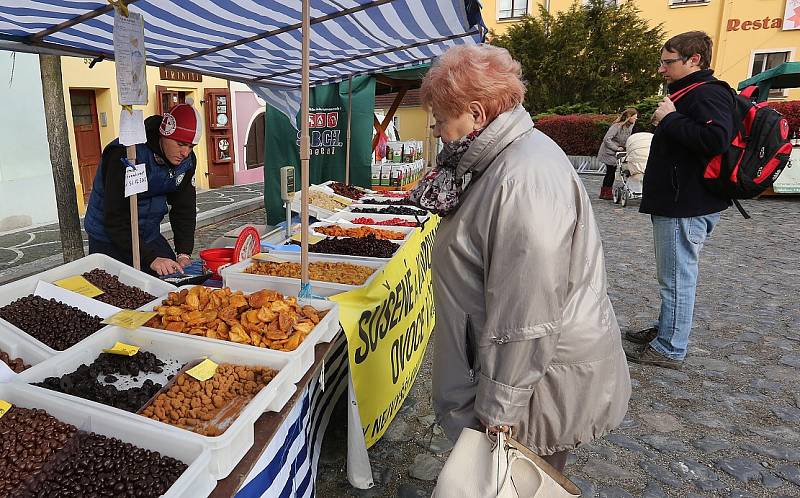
253,41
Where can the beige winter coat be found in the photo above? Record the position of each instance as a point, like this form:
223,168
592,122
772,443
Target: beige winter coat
613,142
525,333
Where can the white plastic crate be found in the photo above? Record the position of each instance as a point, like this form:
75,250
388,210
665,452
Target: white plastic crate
21,288
349,209
283,251
347,216
22,346
303,356
316,211
226,449
408,231
126,274
195,482
235,277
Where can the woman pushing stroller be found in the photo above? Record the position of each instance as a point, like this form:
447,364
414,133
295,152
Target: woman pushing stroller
614,142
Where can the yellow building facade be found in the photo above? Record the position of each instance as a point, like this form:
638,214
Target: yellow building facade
93,112
749,36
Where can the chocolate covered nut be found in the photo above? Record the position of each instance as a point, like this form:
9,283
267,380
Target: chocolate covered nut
54,323
115,292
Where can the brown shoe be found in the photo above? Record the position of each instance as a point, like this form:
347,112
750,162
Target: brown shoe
650,356
641,336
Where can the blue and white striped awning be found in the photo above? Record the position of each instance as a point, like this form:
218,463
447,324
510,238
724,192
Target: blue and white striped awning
253,41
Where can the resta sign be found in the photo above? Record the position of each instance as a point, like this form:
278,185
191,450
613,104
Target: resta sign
754,24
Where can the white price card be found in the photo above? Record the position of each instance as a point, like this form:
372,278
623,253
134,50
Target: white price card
131,127
135,180
130,58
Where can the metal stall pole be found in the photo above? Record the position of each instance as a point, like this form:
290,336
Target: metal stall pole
349,121
305,147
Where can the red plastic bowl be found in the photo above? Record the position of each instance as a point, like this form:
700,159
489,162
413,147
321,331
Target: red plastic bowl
217,258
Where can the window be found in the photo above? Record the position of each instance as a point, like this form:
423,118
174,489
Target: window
688,2
254,148
511,9
767,60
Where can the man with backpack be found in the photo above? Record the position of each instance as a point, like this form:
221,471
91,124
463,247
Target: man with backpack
694,124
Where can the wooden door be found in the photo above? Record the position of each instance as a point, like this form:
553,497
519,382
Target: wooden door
219,137
87,136
166,99
254,148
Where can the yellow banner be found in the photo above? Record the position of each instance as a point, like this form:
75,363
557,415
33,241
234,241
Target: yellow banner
388,324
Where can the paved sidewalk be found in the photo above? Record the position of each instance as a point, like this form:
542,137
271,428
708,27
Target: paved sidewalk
34,249
728,425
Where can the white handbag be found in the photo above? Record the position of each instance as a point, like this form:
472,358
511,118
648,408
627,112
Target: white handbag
482,467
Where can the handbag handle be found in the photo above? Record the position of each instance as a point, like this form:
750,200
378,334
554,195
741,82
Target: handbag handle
513,454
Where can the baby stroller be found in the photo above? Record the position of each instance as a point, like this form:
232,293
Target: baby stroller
630,168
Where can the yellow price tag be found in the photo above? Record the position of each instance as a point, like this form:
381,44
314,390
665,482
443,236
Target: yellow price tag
79,285
4,407
203,370
129,319
263,256
123,349
312,239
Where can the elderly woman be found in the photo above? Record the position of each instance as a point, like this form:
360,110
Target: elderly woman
525,335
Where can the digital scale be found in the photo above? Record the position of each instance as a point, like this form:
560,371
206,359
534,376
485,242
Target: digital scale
287,194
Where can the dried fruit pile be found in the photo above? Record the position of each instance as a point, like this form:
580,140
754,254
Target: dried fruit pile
115,292
368,247
265,318
389,202
394,222
84,382
337,231
338,273
348,191
325,201
208,407
399,210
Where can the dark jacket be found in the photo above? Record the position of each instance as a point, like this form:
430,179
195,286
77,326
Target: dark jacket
108,213
683,143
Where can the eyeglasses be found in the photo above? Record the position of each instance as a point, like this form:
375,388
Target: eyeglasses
667,62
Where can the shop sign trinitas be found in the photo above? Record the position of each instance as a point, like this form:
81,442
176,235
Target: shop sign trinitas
177,74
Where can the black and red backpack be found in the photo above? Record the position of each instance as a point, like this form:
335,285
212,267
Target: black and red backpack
758,153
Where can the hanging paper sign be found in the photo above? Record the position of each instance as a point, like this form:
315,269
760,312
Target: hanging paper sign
135,180
131,127
130,58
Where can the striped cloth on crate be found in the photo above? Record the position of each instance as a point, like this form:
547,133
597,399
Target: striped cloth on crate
206,35
288,467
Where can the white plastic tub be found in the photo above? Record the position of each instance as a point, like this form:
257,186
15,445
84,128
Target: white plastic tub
349,209
316,211
226,449
349,217
235,277
126,274
408,231
22,346
195,482
302,357
282,251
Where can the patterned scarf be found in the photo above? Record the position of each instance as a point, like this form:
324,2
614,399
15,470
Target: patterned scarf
439,191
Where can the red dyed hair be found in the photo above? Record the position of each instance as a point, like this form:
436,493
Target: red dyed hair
467,73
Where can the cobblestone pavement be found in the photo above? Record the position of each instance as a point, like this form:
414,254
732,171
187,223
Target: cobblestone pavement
34,243
728,425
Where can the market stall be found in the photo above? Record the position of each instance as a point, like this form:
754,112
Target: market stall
182,383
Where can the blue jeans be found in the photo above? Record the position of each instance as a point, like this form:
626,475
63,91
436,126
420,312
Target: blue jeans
678,242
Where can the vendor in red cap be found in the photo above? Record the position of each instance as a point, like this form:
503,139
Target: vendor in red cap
170,165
